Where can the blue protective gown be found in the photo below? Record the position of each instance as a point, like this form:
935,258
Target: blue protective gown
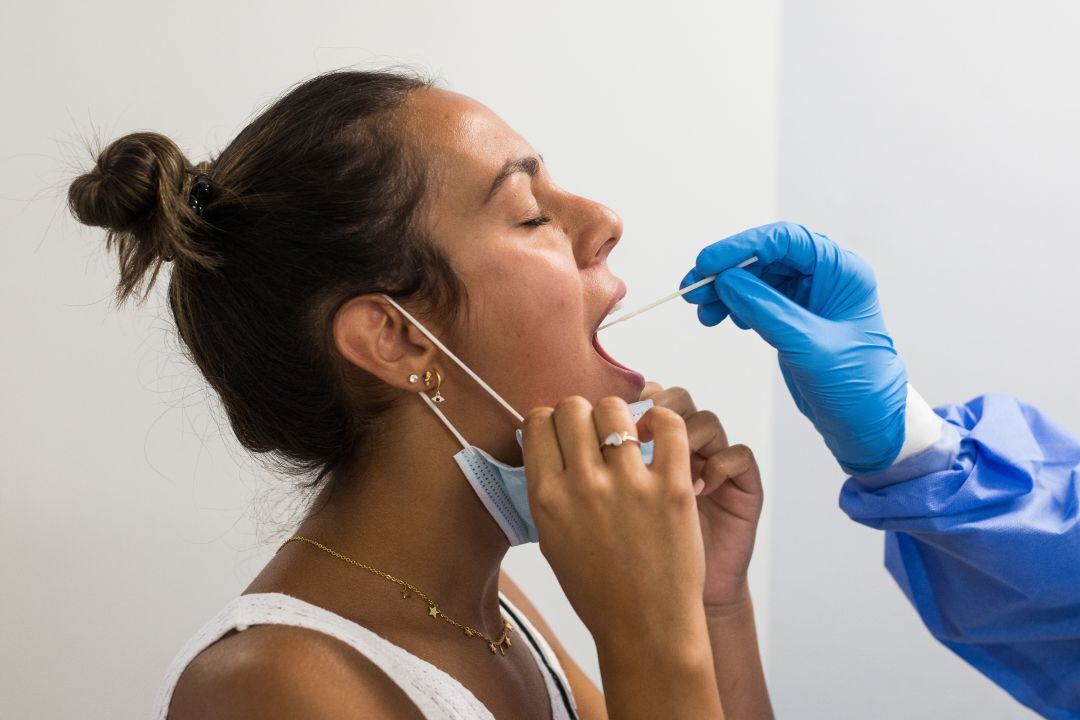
983,536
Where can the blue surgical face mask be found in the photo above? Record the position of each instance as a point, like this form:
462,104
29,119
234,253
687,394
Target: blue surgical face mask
502,488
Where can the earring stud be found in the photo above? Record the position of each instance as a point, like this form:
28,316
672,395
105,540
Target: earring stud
413,378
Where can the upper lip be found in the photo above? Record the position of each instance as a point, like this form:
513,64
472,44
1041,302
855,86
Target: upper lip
619,294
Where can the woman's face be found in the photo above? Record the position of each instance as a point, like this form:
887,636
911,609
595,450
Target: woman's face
532,257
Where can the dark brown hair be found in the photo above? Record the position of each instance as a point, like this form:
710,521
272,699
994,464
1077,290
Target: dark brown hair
318,199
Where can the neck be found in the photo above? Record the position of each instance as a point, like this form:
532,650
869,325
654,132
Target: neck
411,513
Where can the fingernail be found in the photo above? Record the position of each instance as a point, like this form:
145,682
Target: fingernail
699,485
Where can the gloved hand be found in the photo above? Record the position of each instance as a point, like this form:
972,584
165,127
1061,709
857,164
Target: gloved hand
817,304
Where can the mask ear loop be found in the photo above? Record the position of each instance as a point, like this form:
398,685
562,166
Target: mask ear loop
445,420
463,366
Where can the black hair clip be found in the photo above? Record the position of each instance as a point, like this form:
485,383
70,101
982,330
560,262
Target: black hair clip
201,192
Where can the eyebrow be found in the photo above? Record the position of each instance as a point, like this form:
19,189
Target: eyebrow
528,165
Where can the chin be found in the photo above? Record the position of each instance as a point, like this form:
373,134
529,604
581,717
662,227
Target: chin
603,382
631,387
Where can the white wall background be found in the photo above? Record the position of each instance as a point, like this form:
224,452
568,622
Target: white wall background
126,510
939,139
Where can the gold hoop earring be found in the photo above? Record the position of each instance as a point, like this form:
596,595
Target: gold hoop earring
438,396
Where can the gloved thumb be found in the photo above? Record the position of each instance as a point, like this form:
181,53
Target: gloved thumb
778,320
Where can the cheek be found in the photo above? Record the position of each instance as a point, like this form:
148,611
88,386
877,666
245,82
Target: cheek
531,325
534,310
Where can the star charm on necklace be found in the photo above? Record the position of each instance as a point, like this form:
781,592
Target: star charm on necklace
433,611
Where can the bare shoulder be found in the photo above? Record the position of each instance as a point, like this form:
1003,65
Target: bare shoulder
589,699
277,671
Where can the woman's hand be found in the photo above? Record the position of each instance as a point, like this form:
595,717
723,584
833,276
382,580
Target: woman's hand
624,541
729,500
622,537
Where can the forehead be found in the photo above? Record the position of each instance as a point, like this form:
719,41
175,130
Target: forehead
465,142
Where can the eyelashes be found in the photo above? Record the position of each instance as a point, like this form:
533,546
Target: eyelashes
537,221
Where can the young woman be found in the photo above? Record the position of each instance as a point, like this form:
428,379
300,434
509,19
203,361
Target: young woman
373,275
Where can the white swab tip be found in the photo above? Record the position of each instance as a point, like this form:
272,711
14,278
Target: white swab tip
689,288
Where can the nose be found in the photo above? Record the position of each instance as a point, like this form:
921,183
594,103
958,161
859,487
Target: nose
597,230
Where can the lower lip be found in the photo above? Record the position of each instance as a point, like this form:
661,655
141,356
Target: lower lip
634,377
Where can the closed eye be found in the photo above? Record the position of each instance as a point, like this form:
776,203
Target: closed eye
537,221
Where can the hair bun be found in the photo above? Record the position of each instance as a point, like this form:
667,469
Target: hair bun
125,187
137,191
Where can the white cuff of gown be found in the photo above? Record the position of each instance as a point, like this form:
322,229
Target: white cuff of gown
922,426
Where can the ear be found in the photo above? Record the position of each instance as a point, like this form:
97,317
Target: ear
371,334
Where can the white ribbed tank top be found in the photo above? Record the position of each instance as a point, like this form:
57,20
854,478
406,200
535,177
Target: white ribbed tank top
437,694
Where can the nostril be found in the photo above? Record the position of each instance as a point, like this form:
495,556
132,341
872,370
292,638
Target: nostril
604,250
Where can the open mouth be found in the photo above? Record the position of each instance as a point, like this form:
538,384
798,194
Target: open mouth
615,307
603,353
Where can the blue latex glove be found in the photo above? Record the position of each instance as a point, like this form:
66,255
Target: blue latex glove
817,304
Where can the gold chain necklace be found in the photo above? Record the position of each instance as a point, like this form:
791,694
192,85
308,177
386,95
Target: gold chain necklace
408,589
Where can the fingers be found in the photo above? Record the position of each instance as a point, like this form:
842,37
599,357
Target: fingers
705,433
788,256
706,437
671,450
729,252
704,294
612,414
713,313
735,464
651,388
677,399
786,243
778,320
576,432
540,446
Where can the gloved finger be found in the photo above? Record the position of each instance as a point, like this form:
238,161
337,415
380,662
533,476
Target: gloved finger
702,295
778,270
774,274
785,243
798,289
780,281
712,314
777,319
792,287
